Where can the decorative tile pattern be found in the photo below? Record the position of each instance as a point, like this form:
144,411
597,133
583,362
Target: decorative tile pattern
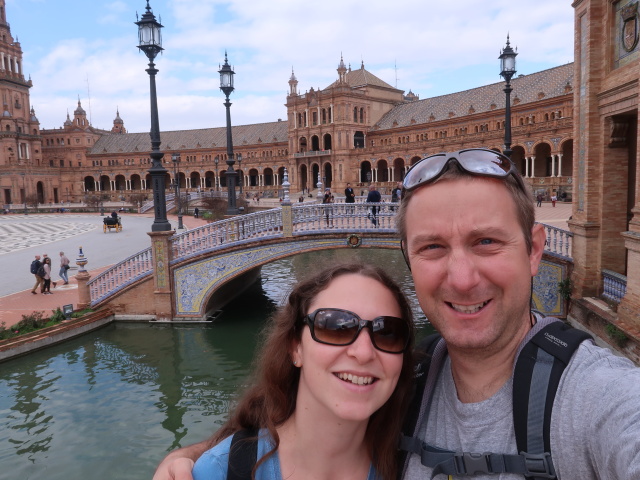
194,283
546,297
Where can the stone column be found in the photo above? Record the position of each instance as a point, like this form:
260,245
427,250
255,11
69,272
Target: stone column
162,293
533,167
559,164
630,304
553,165
526,167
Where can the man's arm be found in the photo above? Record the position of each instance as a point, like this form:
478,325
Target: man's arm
179,463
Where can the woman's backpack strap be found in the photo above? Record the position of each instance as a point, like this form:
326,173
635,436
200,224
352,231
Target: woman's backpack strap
243,454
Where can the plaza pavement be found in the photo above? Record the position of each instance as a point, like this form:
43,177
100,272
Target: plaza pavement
70,231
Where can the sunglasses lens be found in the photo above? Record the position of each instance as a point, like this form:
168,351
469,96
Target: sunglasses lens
338,327
484,163
335,327
424,171
390,334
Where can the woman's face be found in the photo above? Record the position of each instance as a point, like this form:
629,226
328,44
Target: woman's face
348,382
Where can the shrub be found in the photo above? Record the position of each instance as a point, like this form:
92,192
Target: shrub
616,334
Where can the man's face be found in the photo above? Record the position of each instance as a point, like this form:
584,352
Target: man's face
469,261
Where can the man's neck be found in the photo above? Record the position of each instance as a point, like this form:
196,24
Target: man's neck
478,375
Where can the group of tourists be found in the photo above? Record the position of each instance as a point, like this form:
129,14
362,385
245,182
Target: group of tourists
41,270
500,392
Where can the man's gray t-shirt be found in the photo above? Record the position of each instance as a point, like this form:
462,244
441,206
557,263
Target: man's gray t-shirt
595,424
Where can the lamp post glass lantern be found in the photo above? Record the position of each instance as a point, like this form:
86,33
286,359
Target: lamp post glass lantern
150,42
507,71
226,85
175,158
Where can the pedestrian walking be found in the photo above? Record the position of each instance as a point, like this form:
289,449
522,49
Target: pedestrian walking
539,200
327,200
196,212
373,197
64,266
35,269
554,199
46,267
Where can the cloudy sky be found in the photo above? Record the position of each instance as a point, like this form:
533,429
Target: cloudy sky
87,48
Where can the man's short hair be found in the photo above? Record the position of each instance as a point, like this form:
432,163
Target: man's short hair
523,200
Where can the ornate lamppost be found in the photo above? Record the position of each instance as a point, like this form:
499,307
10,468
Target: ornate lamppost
150,39
100,197
175,158
240,177
216,180
226,85
24,189
507,71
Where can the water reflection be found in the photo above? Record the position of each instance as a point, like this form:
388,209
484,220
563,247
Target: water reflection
110,404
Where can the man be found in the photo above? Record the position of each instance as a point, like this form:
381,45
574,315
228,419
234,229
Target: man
64,266
349,194
396,193
374,197
467,229
35,266
328,210
539,200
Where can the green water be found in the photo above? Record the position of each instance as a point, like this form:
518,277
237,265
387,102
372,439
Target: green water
111,404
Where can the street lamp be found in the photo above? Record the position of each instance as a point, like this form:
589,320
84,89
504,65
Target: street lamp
216,180
226,85
507,70
150,39
100,197
240,176
24,189
175,158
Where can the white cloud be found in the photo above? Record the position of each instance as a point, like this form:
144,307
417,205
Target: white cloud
436,45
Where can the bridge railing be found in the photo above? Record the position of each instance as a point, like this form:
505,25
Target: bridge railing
343,216
267,223
614,286
120,275
558,241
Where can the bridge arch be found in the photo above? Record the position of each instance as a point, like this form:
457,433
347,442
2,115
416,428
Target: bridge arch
195,282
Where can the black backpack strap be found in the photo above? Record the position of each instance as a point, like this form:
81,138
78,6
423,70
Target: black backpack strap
537,374
425,369
243,454
536,378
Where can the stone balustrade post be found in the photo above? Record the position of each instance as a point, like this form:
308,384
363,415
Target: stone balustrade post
162,281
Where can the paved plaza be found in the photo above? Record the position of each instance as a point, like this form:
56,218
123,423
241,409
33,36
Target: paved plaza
23,237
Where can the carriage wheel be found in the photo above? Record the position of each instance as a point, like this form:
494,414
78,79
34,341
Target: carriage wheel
104,228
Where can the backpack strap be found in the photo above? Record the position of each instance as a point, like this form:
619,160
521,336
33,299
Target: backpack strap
536,378
243,454
537,374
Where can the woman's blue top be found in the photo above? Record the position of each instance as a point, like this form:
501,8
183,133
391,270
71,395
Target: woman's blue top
213,464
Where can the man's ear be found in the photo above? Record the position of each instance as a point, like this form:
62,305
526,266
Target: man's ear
538,239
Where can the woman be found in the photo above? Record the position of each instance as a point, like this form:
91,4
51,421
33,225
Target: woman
328,399
328,211
46,288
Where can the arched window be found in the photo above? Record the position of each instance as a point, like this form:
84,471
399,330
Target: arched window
355,114
361,115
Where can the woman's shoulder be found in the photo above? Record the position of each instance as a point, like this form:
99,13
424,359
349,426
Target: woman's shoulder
214,463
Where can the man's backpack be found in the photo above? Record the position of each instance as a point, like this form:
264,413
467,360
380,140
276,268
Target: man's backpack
537,374
34,266
41,272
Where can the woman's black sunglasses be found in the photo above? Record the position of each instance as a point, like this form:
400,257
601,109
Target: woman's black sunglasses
334,326
476,161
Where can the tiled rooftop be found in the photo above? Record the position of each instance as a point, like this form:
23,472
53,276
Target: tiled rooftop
192,139
527,88
362,77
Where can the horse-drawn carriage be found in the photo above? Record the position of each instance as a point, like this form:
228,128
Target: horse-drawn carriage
112,222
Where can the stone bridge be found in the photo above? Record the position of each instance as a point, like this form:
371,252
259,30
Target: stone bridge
184,276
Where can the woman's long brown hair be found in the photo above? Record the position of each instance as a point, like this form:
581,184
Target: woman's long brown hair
271,398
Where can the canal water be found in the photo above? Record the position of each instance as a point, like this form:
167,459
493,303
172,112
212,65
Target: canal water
111,404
